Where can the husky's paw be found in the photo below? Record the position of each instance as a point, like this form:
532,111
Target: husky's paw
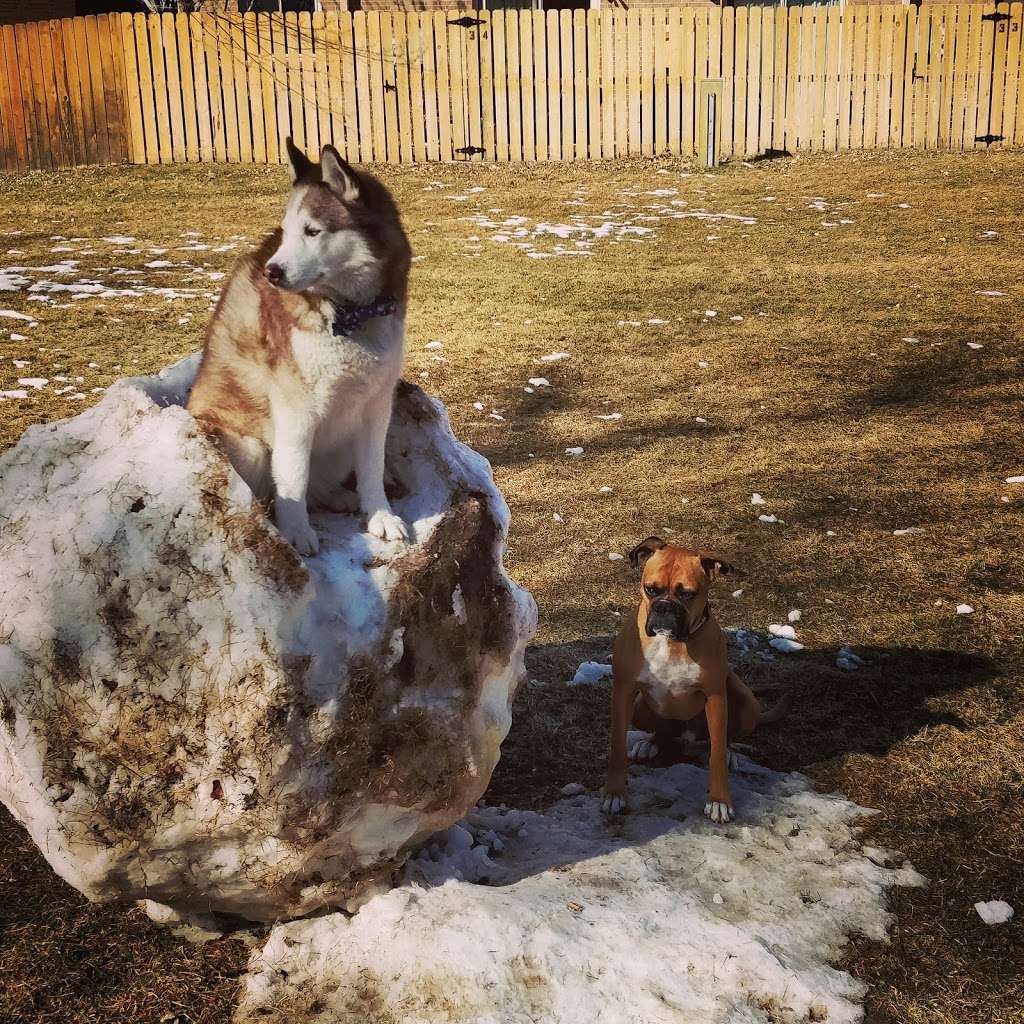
719,811
386,525
643,750
301,537
613,803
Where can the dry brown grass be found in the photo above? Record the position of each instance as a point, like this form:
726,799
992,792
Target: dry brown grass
819,405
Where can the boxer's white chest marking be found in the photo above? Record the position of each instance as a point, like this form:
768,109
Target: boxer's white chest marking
663,675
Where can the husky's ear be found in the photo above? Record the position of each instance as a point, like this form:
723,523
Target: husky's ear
639,555
300,165
715,566
339,176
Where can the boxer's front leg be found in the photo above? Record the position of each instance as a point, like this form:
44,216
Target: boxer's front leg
719,805
623,696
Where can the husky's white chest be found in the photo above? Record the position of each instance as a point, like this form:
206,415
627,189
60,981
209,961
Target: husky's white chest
663,675
341,367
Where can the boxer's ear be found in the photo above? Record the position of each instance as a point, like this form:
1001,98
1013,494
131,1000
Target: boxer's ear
715,566
639,555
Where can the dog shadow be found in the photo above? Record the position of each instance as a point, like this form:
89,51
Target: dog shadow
560,731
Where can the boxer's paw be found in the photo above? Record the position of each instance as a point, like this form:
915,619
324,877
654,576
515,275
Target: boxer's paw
719,811
643,750
613,801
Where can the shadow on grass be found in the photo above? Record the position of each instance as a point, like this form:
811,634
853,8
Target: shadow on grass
560,732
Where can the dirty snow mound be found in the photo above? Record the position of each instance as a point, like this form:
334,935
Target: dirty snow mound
192,714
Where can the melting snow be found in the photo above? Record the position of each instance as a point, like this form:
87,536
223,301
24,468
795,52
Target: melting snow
517,916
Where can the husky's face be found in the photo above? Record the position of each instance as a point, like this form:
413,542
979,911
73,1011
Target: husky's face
322,248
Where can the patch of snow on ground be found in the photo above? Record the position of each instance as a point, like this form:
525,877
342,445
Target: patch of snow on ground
591,672
994,911
514,916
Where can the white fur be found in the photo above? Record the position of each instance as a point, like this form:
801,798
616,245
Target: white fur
662,675
337,423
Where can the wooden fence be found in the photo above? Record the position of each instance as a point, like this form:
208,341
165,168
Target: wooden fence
516,85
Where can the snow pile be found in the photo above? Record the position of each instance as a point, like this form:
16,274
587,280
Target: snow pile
591,672
994,911
191,713
514,916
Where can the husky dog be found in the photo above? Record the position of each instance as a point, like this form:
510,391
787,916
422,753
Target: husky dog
305,348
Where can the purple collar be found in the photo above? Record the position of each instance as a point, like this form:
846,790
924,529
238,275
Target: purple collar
350,318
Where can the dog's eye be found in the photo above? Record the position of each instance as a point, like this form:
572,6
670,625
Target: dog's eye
651,590
311,231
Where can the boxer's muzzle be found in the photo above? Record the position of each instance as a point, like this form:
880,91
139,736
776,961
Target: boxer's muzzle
668,618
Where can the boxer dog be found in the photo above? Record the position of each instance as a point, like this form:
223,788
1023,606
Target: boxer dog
670,664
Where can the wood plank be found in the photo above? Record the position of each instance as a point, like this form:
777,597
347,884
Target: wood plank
986,70
77,102
1012,100
871,97
793,91
155,35
321,67
60,114
899,66
633,79
400,102
860,58
976,30
728,79
241,80
474,101
307,63
753,121
566,70
885,76
204,119
621,64
741,45
528,91
944,105
267,86
350,103
830,85
147,97
113,74
188,88
486,58
51,97
93,132
375,80
278,65
646,81
592,73
457,89
520,86
675,80
387,44
27,45
364,104
293,78
769,18
8,149
920,75
430,106
16,114
176,120
1017,13
700,67
501,86
937,36
225,46
778,137
538,22
579,82
553,82
215,88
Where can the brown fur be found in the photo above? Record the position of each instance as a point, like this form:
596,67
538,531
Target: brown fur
730,707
